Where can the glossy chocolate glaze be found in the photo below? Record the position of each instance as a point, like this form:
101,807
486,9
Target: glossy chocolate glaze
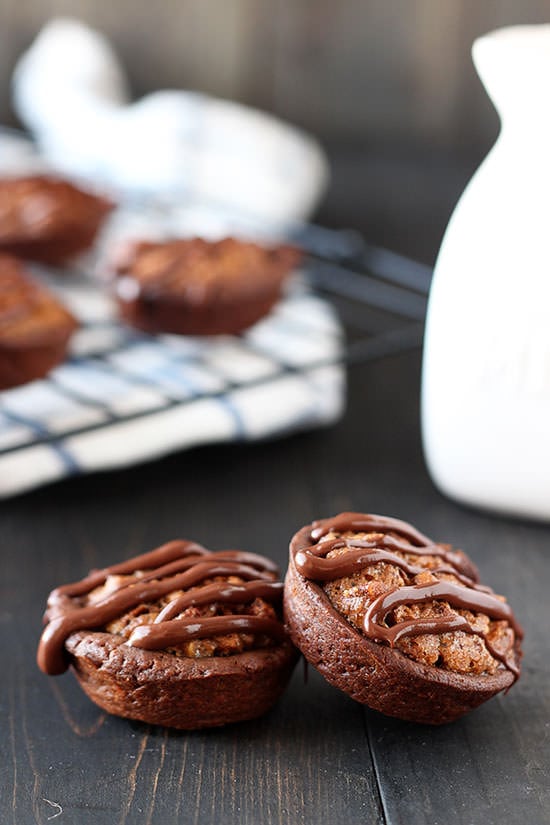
468,595
174,566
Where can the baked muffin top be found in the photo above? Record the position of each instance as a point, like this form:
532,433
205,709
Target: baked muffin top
42,208
199,271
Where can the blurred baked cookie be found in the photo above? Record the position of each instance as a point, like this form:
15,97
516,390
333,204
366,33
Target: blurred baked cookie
396,621
180,636
198,287
35,327
47,219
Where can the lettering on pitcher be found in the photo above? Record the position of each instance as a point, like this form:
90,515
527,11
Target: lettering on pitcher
507,367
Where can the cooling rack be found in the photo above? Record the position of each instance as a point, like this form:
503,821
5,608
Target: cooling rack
123,397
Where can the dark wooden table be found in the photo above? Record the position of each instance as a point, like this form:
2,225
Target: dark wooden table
318,757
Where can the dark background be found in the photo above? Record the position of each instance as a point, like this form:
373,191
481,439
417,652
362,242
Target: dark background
388,86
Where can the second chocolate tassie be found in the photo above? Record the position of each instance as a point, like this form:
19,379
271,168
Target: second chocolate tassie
198,287
397,621
180,636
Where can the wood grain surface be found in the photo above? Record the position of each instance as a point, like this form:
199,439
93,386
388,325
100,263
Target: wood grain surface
353,71
317,757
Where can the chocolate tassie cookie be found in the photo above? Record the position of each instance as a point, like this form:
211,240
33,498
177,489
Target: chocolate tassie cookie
34,326
180,636
396,621
47,219
198,287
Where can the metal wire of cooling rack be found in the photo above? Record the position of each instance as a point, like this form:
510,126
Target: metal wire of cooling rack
379,296
155,396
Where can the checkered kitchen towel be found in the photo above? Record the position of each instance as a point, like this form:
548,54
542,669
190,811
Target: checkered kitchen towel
123,397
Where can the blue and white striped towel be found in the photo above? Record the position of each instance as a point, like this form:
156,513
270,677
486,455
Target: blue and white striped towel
124,397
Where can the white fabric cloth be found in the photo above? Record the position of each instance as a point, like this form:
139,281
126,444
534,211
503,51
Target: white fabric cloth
71,92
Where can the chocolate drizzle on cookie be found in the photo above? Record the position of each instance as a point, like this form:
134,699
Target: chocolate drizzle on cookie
176,566
387,539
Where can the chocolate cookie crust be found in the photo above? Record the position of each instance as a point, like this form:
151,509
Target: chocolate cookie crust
35,327
385,571
198,287
181,636
188,694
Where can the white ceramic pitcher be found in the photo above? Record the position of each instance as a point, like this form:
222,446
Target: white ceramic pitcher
486,368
